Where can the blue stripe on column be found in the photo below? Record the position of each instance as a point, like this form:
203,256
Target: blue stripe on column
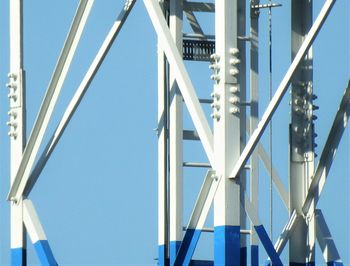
201,263
335,263
18,257
188,247
174,248
254,255
243,256
227,245
44,253
161,255
265,240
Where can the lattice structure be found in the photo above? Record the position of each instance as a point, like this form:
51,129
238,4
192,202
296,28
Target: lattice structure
232,145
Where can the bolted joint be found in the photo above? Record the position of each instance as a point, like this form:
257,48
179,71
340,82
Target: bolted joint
215,77
12,76
12,114
215,57
234,100
215,95
234,61
234,71
12,134
234,51
215,106
12,96
234,89
215,115
234,110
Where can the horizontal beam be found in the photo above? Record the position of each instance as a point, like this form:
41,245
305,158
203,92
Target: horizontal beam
282,88
199,7
50,99
328,153
183,80
79,94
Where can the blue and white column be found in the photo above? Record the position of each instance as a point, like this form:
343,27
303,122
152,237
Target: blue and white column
16,124
175,137
162,160
37,235
254,119
226,115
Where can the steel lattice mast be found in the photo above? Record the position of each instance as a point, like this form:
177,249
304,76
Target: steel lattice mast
232,144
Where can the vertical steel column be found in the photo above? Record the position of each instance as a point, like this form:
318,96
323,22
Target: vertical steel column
226,135
17,123
175,137
254,119
302,241
242,41
162,132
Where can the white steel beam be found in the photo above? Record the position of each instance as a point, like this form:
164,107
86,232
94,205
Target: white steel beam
198,7
253,122
17,123
282,88
182,77
275,176
50,99
325,240
79,94
175,137
37,234
328,153
227,133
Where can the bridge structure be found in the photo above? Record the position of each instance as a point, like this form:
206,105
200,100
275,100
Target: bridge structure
230,133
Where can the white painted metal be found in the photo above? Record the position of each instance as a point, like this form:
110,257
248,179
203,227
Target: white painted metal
182,78
17,116
328,153
175,131
204,200
254,111
162,131
32,222
226,139
275,176
199,7
287,231
50,99
325,240
282,88
79,94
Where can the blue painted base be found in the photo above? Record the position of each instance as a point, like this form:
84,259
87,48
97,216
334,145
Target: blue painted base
174,248
254,255
335,263
243,256
227,246
162,256
270,250
201,263
188,246
18,257
44,253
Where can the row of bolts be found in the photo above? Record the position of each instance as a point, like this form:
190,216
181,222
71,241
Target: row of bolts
12,85
234,89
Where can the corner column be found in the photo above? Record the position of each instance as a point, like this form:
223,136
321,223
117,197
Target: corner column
16,125
226,115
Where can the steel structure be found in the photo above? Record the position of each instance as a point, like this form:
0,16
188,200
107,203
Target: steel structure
231,145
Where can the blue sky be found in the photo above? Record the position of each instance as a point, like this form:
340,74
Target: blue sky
97,197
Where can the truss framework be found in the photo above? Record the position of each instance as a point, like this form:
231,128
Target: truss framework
224,180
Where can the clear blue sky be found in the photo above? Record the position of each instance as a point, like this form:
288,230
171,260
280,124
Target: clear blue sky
97,197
